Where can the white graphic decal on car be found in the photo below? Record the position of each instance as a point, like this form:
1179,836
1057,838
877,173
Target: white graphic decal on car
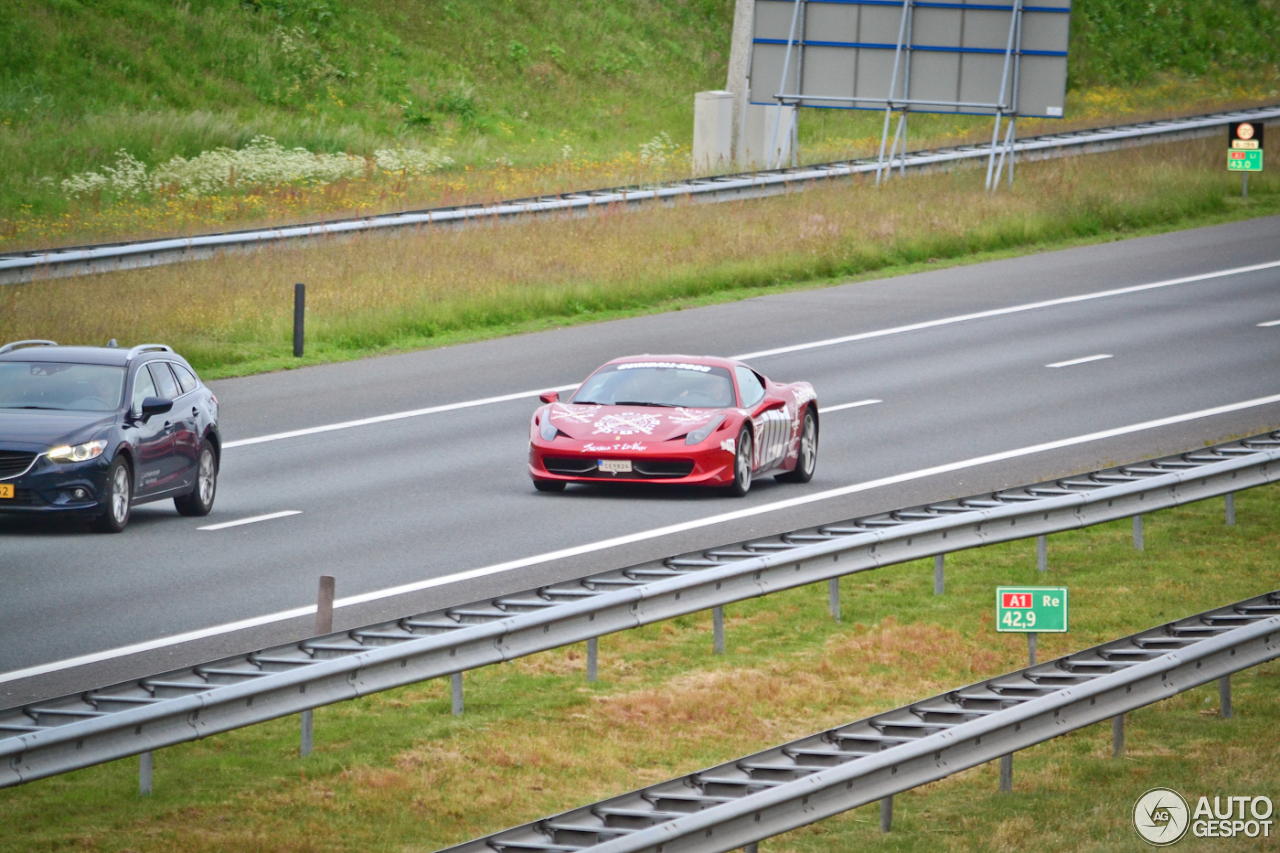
596,448
690,417
730,445
627,423
570,412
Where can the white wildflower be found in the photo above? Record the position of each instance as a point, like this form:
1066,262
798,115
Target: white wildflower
657,151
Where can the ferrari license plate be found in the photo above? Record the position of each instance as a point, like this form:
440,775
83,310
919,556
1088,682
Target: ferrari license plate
616,466
6,490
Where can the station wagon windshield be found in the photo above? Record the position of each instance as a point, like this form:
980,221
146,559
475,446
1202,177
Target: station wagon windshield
659,384
60,387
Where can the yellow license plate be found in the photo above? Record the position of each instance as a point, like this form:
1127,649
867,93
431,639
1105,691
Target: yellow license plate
6,490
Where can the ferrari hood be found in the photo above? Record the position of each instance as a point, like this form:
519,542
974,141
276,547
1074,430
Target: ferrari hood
629,423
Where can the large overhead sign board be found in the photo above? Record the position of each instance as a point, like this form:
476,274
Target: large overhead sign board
950,57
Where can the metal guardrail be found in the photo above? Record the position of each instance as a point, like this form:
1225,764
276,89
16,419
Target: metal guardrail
17,267
45,738
744,801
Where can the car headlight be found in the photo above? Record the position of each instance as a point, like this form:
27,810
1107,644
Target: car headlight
700,435
547,429
79,453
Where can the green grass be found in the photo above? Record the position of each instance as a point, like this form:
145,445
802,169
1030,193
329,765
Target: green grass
517,80
396,772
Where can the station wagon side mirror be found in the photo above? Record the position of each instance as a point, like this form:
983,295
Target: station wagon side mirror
550,397
154,406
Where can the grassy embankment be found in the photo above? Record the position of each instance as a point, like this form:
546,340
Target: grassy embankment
232,315
395,772
526,96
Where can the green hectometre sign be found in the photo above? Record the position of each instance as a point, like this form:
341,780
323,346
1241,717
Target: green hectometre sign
1031,609
1244,139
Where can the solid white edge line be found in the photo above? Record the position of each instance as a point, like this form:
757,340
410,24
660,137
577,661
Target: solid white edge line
251,520
822,410
1014,309
880,333
1269,323
1085,360
641,536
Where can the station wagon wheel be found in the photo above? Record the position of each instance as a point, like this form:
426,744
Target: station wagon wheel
742,462
119,498
200,501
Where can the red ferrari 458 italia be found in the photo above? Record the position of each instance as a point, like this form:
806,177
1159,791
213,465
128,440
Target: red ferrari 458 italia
675,419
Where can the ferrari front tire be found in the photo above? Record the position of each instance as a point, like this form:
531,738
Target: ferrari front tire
807,456
742,464
549,485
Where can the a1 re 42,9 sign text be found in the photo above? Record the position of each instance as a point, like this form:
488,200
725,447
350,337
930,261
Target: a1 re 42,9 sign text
1031,609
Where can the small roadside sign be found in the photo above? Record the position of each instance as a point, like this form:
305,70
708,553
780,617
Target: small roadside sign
1031,609
1244,141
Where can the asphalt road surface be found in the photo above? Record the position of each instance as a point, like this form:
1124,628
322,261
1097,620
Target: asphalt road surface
417,500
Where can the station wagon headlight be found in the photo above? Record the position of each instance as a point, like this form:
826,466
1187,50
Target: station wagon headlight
79,453
547,429
700,434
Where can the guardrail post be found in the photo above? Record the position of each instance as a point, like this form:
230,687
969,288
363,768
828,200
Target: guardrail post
144,774
1006,773
886,813
1117,736
753,847
1137,532
717,627
1042,553
299,317
833,597
940,574
455,685
1224,696
1031,648
324,625
593,652
1231,509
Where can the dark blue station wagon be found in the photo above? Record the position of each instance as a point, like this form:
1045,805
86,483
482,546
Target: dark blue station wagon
91,431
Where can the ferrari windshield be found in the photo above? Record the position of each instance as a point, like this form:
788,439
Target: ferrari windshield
659,384
61,387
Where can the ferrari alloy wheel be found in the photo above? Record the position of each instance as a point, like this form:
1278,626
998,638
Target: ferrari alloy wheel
200,501
119,498
742,464
549,485
807,459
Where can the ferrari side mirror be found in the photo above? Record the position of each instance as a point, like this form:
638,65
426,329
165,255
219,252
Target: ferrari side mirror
768,403
550,397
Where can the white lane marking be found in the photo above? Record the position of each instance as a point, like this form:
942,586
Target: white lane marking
395,416
251,520
880,333
1269,323
822,410
1085,360
630,538
1014,309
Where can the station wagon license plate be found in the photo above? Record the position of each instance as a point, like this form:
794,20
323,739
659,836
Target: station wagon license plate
6,490
616,466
